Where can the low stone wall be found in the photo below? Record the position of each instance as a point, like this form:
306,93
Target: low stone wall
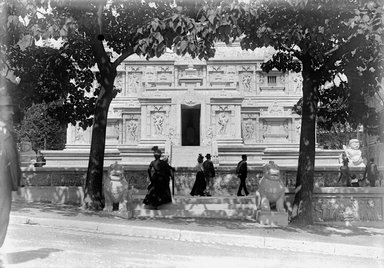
331,202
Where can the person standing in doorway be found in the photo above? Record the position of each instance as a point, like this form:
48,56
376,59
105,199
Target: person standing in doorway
10,173
209,173
242,171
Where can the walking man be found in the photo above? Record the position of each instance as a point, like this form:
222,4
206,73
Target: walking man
10,173
241,172
209,173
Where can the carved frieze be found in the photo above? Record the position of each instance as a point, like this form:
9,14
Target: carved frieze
275,110
275,130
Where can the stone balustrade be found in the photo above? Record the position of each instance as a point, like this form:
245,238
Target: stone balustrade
331,201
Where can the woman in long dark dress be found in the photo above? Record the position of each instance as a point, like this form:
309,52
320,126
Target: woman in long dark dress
200,184
159,176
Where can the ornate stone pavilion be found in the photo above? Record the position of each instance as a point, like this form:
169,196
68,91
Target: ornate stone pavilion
226,106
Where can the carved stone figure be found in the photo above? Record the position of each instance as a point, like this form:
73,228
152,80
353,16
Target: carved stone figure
246,81
354,153
223,121
248,129
27,155
158,120
115,188
132,130
271,189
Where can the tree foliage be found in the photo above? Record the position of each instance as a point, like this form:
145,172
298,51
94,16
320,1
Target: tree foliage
329,39
51,76
43,131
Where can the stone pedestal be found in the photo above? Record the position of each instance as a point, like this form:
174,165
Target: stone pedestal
272,218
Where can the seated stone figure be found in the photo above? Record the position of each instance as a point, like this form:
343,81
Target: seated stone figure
115,188
353,153
271,189
27,154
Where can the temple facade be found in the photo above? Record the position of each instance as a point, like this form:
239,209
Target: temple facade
226,106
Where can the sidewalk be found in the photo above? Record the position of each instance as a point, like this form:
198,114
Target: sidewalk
364,239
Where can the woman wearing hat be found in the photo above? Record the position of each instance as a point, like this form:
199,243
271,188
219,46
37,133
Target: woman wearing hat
159,175
200,184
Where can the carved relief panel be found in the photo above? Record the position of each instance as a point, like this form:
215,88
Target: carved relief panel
159,75
135,81
275,130
247,79
113,131
165,75
249,127
120,82
131,125
295,83
222,75
223,120
80,136
158,120
191,74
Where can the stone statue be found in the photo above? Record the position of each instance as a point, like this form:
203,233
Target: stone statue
353,153
115,188
158,120
223,121
271,189
27,155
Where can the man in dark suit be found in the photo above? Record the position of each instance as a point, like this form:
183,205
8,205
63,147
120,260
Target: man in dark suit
241,171
10,173
209,173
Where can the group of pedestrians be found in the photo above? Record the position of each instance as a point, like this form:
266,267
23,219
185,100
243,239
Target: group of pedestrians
205,173
160,174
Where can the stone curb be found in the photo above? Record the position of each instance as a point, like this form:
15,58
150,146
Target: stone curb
207,237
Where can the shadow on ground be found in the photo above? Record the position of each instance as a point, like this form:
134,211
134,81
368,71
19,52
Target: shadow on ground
25,256
248,226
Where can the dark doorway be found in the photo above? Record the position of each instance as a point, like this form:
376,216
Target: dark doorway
190,125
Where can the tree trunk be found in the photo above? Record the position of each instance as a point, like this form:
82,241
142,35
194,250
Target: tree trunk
302,205
93,198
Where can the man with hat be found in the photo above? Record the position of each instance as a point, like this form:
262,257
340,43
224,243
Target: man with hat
241,172
209,173
10,173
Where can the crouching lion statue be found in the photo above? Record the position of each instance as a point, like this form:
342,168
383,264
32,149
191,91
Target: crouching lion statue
115,188
271,189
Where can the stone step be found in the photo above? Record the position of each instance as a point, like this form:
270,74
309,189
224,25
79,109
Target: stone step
198,207
207,200
186,156
195,213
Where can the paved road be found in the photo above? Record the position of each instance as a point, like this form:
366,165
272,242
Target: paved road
38,246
